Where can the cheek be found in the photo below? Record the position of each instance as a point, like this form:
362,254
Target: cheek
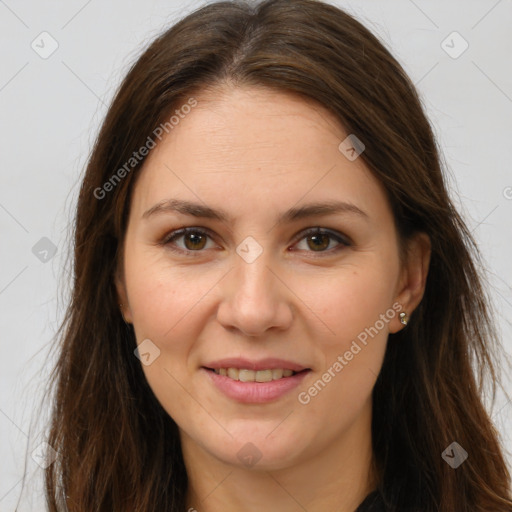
163,298
352,307
165,302
350,301
352,353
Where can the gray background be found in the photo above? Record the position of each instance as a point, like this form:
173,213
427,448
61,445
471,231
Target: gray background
51,109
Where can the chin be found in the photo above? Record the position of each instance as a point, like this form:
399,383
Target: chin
258,450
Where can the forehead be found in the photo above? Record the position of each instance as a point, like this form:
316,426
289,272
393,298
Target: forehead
255,148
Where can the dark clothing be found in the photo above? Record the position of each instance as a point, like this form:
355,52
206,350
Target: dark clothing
372,503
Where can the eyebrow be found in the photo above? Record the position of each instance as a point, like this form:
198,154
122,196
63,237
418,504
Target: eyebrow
296,213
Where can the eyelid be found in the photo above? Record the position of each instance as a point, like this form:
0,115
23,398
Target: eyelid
342,239
178,233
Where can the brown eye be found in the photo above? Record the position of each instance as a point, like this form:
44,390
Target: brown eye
318,240
194,240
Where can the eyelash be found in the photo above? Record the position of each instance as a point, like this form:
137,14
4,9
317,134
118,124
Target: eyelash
174,235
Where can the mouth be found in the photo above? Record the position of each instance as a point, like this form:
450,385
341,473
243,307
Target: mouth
248,375
251,382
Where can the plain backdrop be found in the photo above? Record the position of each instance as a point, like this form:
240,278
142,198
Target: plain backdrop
51,104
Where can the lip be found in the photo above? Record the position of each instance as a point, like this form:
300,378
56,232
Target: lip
255,392
269,363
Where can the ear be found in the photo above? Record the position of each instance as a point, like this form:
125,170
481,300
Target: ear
413,277
122,296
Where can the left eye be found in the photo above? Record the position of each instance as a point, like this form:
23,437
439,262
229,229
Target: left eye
320,239
196,239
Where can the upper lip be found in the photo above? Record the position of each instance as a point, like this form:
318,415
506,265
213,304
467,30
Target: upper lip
269,363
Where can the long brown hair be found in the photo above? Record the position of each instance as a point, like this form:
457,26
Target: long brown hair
118,450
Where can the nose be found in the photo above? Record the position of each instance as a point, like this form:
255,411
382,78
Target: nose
255,298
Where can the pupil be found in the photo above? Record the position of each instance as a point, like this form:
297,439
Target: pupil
194,239
318,243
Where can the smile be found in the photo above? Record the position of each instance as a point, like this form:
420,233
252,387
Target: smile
245,375
254,386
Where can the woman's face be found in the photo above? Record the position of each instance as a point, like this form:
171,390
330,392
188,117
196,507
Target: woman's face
249,288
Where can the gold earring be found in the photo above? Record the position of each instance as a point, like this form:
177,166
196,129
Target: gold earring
403,318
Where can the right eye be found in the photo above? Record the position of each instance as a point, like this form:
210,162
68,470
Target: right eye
194,240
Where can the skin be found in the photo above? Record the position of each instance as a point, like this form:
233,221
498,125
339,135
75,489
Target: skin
256,153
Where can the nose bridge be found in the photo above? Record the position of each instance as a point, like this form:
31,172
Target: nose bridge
254,280
254,299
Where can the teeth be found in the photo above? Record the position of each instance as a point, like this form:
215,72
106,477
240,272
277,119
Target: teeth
244,375
263,376
277,373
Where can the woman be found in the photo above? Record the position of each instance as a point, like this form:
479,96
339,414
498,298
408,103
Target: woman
275,306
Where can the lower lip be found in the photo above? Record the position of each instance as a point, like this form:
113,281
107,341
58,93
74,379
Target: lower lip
255,392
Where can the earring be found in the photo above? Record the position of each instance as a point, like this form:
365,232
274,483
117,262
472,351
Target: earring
403,318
